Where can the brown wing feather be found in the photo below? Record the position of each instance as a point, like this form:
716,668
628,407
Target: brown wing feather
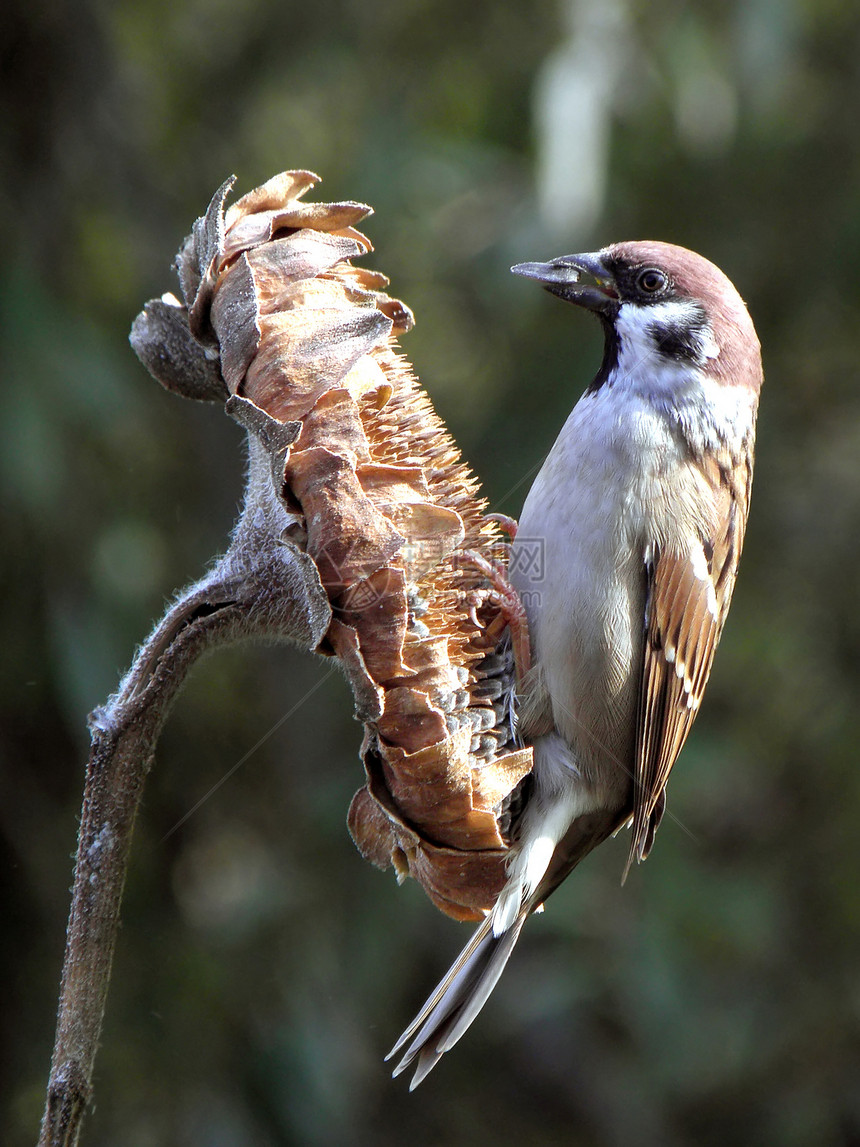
687,598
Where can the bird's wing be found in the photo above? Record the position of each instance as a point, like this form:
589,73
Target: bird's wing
687,599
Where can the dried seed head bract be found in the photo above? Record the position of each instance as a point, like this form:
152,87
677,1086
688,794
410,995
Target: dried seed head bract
351,466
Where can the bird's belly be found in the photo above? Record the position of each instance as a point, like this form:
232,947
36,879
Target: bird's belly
587,635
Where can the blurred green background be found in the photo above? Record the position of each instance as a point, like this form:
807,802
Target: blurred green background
263,969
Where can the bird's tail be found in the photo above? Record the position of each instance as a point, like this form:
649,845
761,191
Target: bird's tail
457,999
557,831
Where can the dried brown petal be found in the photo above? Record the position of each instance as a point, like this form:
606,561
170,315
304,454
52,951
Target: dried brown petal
280,189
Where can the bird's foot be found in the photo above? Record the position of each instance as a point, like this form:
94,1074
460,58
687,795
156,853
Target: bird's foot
512,613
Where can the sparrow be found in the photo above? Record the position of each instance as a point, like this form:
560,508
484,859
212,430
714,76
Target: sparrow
624,561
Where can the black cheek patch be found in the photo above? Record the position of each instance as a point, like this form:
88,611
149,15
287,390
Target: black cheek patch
681,340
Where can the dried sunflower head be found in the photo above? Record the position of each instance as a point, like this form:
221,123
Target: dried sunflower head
351,466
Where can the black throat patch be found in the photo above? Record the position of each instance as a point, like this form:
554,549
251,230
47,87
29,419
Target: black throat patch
610,352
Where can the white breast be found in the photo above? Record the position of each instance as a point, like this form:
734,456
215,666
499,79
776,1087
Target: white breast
597,504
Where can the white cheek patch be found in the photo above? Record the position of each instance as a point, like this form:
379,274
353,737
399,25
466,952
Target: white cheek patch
647,332
673,313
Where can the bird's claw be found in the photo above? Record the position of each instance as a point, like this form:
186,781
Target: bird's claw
505,523
505,598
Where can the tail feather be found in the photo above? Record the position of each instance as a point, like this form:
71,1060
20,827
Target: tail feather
442,987
457,1000
554,839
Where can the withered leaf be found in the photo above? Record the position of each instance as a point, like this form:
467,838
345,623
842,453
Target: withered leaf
162,341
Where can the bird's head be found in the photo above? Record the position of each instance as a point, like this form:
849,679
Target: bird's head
664,310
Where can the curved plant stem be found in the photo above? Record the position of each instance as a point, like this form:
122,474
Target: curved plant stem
259,588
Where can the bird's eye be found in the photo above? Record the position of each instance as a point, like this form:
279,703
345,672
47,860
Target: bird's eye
651,280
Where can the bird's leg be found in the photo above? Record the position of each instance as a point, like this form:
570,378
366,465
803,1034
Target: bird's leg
512,612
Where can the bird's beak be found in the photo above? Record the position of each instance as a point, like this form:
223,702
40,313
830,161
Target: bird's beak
563,277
